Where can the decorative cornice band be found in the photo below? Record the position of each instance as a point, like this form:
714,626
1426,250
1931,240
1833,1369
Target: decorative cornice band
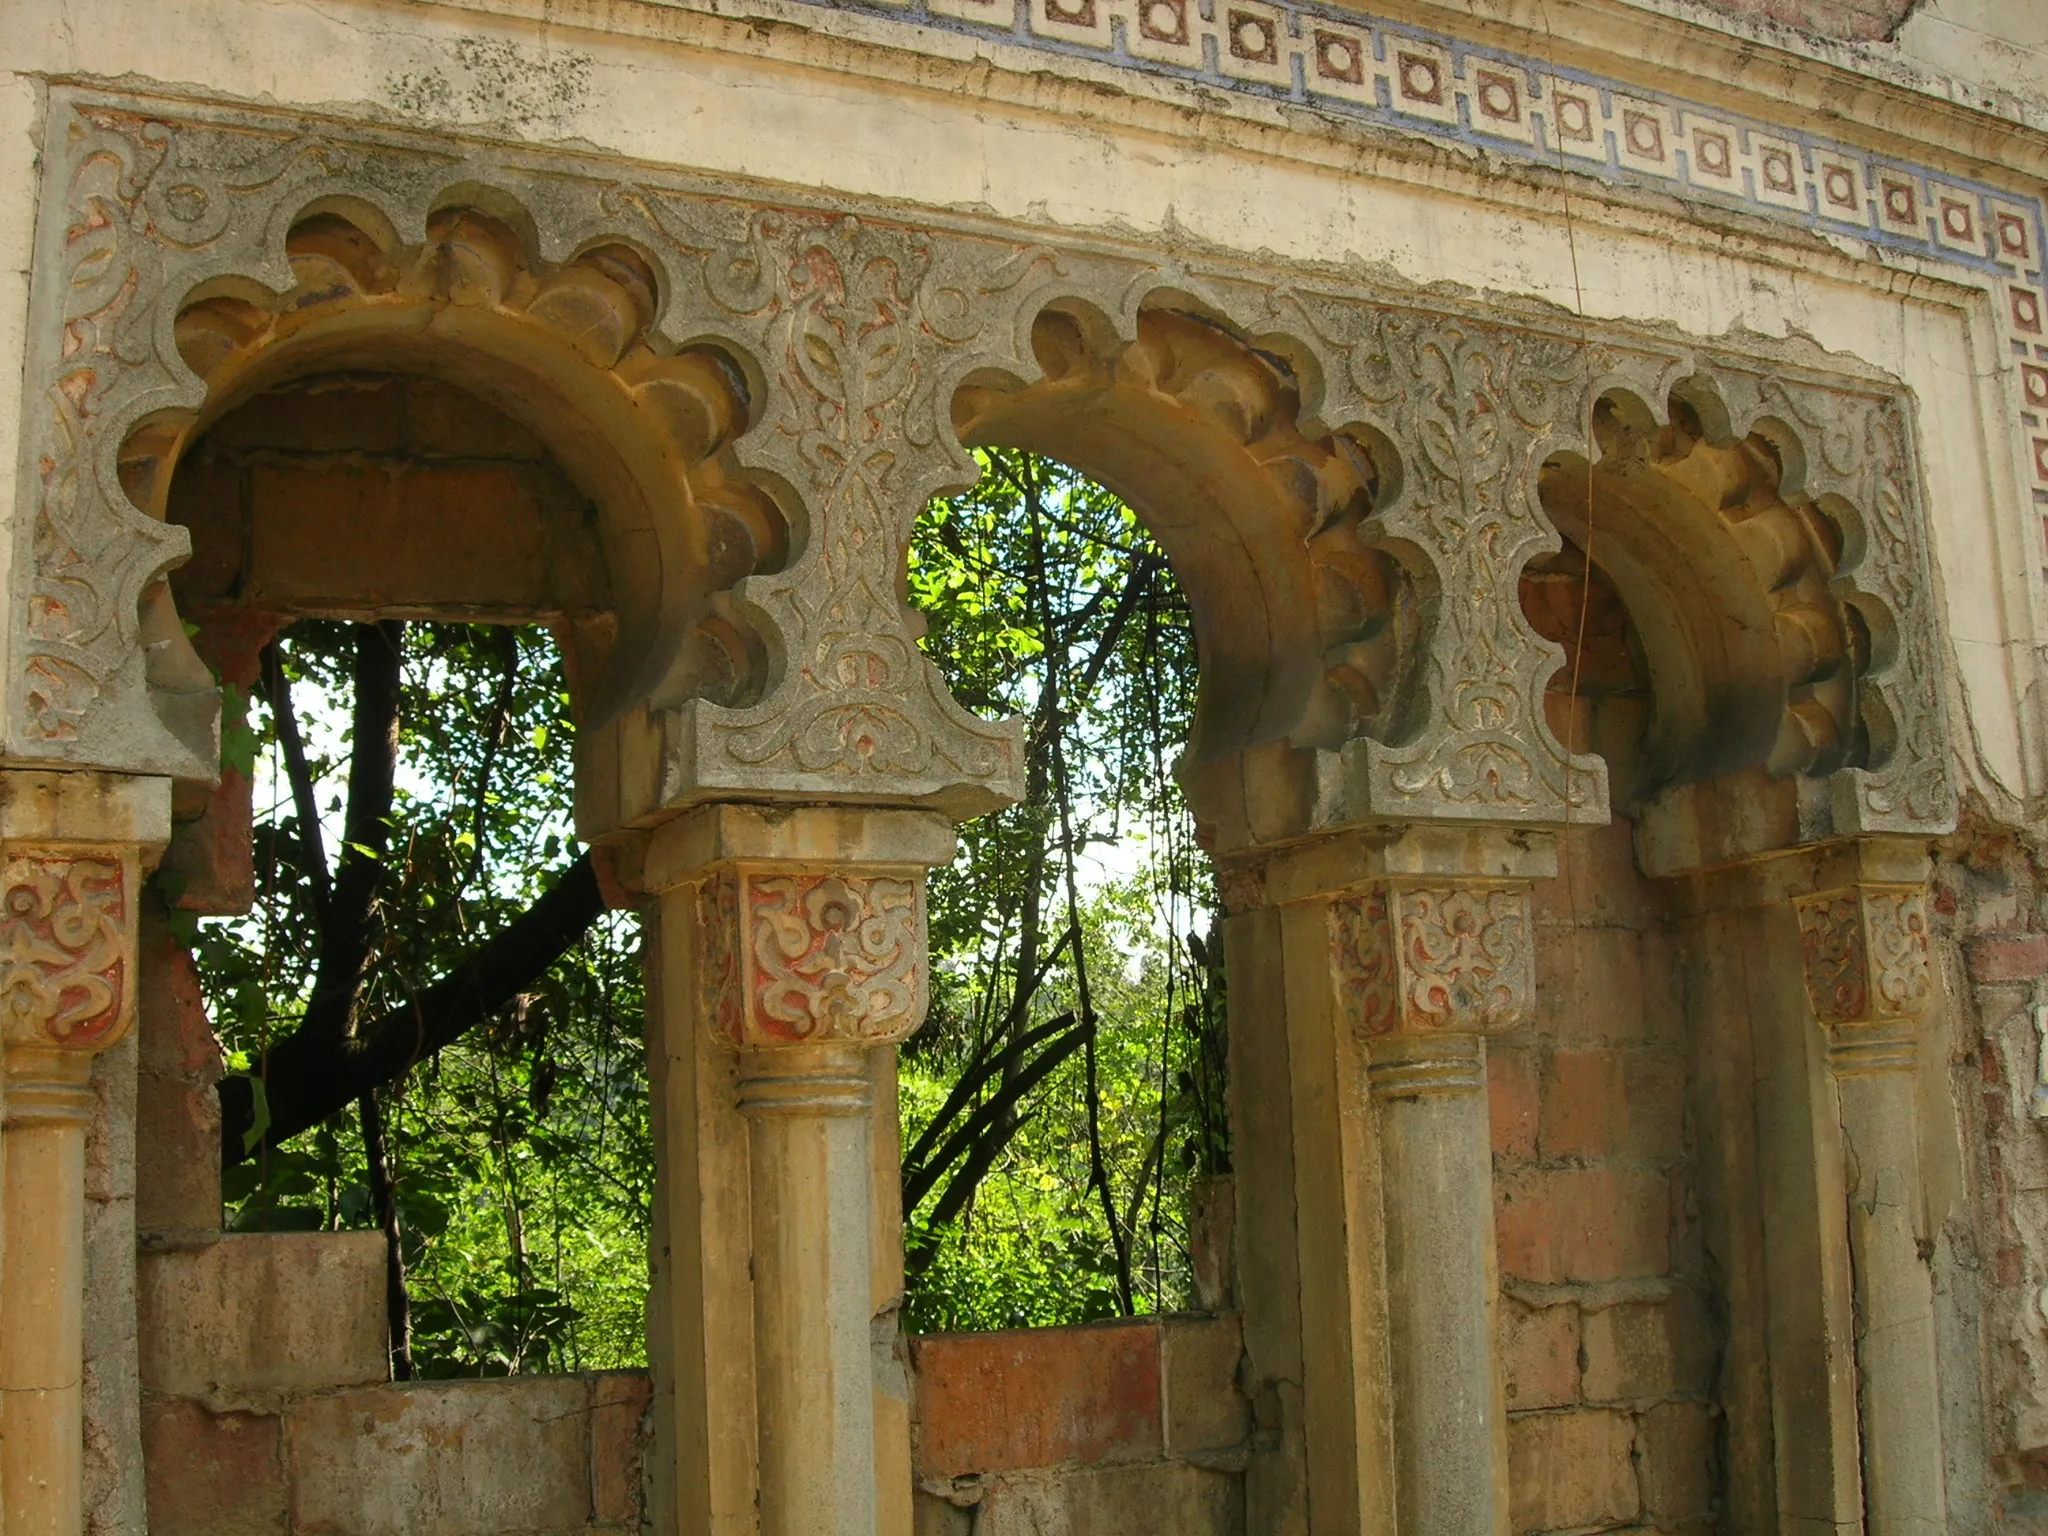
1498,101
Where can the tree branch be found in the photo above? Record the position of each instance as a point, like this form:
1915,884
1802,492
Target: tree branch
310,1074
366,833
278,689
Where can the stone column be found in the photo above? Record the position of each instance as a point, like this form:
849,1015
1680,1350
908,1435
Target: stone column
793,949
1366,968
1427,970
73,851
1869,977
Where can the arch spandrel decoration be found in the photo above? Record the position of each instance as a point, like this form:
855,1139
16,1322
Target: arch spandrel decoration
856,335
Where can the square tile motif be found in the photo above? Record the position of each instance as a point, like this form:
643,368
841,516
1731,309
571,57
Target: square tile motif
1901,207
1645,136
2034,385
1166,32
2012,233
1337,61
2026,310
1574,119
1254,44
1499,100
1779,175
1712,155
1073,21
1838,180
1422,84
1958,224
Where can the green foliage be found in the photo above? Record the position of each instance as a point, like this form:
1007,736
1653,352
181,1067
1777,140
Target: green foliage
1044,596
521,1157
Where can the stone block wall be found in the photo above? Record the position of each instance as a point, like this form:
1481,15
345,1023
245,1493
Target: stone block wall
266,1411
1606,1337
265,1414
1991,1263
1119,1429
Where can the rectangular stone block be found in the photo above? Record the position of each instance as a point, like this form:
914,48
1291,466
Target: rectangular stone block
1679,1475
1513,1098
2008,957
1614,1104
934,1516
993,1402
1554,1225
1160,1499
1589,986
468,1458
618,1417
263,1313
1205,1411
177,1129
213,1474
1571,1470
1639,1350
1597,884
1539,1352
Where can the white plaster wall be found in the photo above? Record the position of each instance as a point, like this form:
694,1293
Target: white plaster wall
980,125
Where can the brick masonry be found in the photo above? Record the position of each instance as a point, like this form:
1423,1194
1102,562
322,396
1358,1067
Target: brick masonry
1606,1341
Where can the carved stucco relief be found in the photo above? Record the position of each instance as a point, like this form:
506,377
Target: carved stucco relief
1410,959
66,948
1866,954
855,334
790,956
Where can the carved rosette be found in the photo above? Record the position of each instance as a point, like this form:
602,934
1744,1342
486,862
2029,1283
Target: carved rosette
1869,969
791,957
67,946
1421,959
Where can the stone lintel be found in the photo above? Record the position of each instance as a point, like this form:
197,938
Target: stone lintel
1788,874
838,837
56,807
1348,858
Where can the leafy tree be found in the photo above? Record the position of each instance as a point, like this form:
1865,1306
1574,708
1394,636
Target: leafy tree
510,1164
436,1028
1069,1082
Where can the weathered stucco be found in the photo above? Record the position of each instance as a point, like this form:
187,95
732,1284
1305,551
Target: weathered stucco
1632,1084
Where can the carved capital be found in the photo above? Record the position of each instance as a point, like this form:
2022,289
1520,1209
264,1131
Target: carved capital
792,956
1869,966
67,946
1416,959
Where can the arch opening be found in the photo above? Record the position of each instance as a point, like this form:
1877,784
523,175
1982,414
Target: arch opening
1066,1144
569,352
1309,630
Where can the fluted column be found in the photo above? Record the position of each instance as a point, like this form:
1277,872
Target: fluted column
793,949
73,849
1427,970
1869,978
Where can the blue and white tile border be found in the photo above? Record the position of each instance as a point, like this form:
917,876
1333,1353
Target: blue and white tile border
1351,65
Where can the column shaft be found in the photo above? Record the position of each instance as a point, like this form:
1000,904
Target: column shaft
807,1113
791,958
1429,1092
48,1108
1869,978
1895,1350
